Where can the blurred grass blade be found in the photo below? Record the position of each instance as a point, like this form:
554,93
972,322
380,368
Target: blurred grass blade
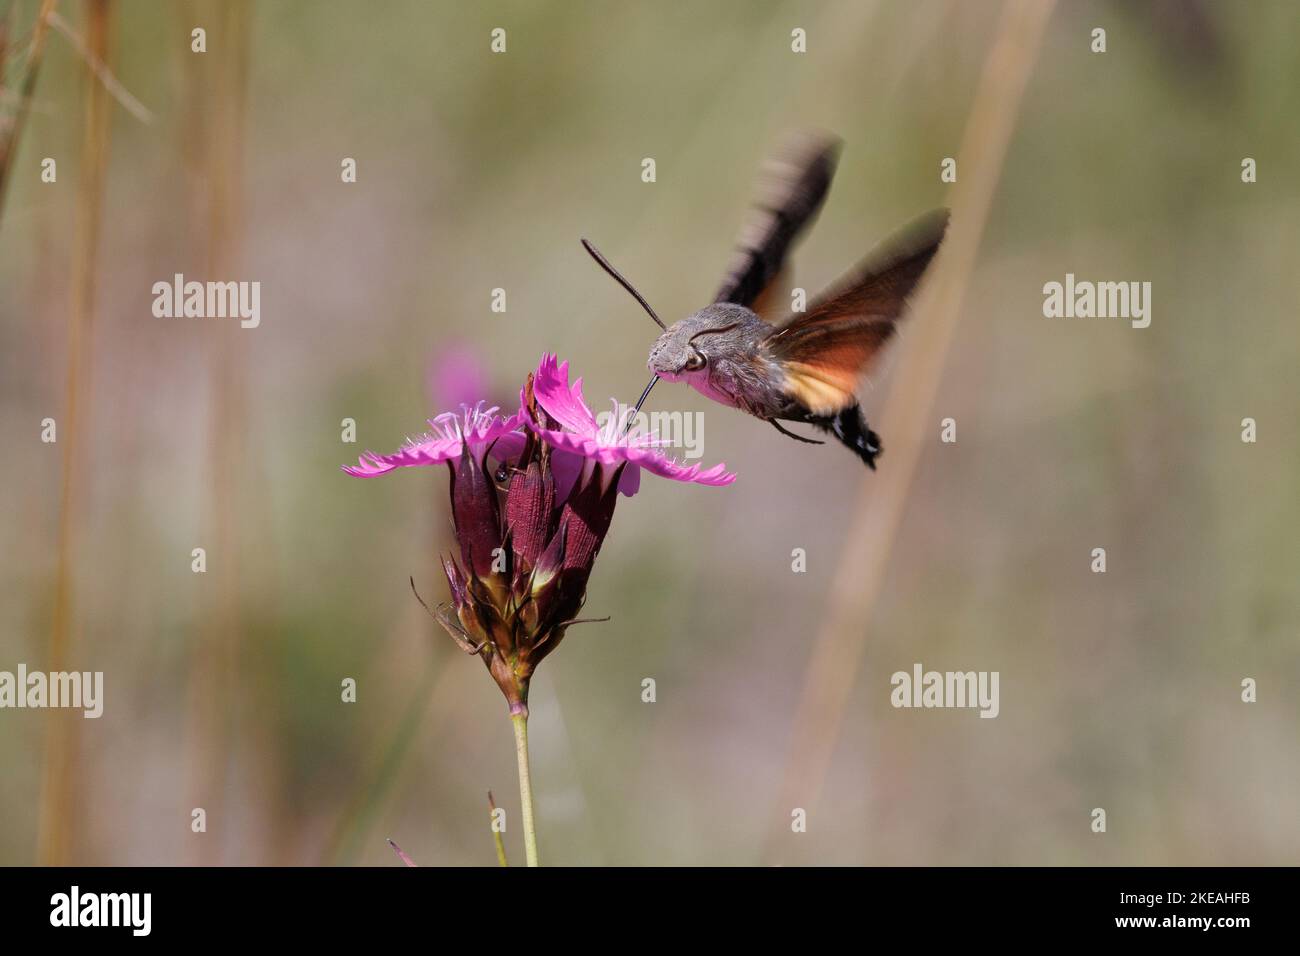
214,679
496,834
359,815
58,812
11,136
102,72
833,669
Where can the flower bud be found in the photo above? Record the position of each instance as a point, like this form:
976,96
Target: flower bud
474,511
530,505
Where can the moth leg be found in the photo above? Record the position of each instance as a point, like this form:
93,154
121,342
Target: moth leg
806,441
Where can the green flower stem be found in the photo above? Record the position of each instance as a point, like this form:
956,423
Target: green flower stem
520,721
496,834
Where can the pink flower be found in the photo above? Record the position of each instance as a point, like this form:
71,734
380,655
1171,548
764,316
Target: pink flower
477,428
530,530
581,440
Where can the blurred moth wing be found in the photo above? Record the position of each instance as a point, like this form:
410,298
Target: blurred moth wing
826,350
791,187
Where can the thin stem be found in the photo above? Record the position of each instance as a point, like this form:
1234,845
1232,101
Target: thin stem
496,834
401,854
525,786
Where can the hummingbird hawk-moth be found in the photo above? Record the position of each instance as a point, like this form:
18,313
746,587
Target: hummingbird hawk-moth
806,367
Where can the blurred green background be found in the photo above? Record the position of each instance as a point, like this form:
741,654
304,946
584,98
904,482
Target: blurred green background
478,171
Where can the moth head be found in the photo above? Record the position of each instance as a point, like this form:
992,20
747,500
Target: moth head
687,345
672,354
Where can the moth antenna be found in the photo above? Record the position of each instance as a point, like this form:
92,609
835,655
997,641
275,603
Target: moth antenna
617,277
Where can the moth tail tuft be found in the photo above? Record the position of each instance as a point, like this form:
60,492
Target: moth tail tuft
849,425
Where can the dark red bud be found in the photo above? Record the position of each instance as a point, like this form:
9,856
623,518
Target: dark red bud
474,510
588,513
530,504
